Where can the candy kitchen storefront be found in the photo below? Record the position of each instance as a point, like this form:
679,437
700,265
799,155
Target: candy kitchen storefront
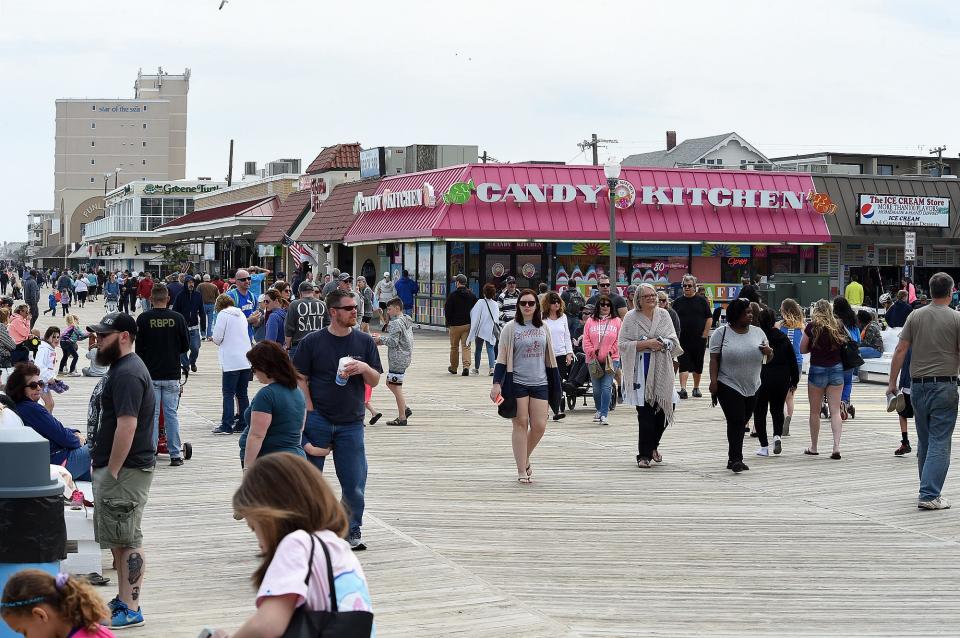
544,223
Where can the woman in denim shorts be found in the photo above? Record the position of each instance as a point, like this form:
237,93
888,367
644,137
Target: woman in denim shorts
823,339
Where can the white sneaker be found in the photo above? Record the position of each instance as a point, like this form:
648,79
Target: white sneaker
891,401
475,371
603,421
596,417
938,503
763,451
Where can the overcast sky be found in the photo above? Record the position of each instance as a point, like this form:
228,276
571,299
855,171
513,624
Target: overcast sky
521,79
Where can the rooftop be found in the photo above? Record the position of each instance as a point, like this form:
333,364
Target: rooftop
337,157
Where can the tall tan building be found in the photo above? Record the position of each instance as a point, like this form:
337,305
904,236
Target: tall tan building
104,143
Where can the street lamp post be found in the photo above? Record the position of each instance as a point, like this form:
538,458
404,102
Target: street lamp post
116,176
612,171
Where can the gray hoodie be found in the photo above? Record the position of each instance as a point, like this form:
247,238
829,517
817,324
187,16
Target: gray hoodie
399,342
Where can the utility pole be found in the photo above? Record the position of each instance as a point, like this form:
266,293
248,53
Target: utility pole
939,153
595,144
486,158
230,166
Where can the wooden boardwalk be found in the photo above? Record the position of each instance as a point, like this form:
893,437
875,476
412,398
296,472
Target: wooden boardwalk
797,546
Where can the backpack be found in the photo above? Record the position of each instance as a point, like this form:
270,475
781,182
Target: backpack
576,301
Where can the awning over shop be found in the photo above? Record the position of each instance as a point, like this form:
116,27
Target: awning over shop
570,203
50,252
335,215
221,221
82,252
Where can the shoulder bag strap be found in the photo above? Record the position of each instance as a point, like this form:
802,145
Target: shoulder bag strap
720,354
603,333
489,312
306,581
333,587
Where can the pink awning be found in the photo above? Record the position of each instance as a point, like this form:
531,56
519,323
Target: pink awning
535,210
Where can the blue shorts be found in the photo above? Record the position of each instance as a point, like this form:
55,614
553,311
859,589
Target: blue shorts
822,376
541,392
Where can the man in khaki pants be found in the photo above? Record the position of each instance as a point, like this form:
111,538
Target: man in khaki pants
457,315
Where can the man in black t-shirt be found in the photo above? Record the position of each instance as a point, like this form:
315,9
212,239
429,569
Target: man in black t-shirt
163,339
694,313
334,398
123,459
604,288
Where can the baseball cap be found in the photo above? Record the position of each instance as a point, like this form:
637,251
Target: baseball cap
115,322
345,276
386,274
262,298
885,297
206,277
511,279
305,286
461,279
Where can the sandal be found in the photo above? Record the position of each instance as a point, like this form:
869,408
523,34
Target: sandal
96,579
529,471
375,418
657,457
524,480
835,456
397,421
807,451
643,463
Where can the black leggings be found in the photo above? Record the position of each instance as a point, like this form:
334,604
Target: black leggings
737,409
69,350
564,371
775,395
652,424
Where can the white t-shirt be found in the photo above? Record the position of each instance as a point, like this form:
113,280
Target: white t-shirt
560,335
288,569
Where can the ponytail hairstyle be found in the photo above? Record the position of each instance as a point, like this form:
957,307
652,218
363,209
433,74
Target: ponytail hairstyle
72,599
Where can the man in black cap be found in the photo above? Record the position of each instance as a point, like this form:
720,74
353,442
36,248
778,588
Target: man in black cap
508,300
123,459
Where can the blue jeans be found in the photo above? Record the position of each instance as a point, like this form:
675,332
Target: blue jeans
935,415
351,460
167,394
208,310
870,353
234,386
78,463
478,353
194,336
603,391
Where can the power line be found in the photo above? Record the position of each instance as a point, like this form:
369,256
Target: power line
595,144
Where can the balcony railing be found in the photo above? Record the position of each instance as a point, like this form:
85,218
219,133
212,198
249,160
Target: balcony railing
119,224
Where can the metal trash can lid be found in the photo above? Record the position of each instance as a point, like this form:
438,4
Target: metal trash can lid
25,464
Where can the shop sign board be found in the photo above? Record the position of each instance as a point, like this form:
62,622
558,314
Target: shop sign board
174,189
152,248
909,246
387,200
370,162
904,210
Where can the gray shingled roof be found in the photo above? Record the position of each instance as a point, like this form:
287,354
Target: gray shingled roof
686,152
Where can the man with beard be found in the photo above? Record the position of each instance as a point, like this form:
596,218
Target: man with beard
123,460
163,340
189,303
305,315
335,395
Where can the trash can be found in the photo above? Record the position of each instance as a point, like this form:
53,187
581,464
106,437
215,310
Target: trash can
32,529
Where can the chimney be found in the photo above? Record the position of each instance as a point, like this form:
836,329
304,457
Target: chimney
671,140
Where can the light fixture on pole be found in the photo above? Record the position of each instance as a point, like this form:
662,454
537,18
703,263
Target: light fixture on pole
106,176
612,172
116,175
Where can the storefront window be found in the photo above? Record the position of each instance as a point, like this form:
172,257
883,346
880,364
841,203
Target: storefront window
732,269
438,285
410,259
584,262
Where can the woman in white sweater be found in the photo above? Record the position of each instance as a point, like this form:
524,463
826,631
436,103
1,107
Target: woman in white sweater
485,328
233,338
552,310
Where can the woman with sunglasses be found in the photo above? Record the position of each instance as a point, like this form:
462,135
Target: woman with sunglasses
526,372
67,445
649,346
600,336
663,301
553,311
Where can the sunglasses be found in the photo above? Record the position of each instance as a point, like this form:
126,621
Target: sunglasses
555,302
605,285
528,304
34,385
688,285
243,278
346,308
606,305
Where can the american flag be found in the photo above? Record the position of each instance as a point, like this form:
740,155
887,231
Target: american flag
298,252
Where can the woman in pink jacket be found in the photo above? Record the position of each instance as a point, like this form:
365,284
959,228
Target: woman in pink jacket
600,342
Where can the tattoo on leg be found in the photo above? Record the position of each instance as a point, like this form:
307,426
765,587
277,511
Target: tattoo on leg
136,593
134,567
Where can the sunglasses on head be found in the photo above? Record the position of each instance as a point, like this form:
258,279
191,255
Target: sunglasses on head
34,385
527,303
346,308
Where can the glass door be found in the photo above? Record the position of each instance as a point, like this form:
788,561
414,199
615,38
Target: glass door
529,270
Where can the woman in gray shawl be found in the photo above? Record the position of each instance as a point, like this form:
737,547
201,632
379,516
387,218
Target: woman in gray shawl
648,348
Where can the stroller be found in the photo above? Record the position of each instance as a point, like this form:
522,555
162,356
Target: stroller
162,448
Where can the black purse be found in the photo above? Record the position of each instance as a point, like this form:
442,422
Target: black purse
306,623
850,355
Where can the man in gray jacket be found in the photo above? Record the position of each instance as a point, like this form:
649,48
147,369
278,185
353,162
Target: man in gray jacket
305,315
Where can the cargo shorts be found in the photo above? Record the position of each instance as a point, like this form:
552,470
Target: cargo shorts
118,506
